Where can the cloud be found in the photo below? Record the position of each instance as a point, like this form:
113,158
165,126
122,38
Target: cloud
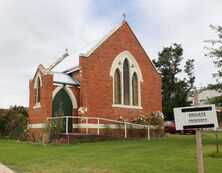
187,22
38,32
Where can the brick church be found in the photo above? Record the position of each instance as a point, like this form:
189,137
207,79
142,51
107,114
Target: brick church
113,78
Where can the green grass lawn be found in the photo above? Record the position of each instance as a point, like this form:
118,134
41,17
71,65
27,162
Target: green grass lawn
174,154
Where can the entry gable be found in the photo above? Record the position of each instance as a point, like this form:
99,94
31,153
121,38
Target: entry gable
39,72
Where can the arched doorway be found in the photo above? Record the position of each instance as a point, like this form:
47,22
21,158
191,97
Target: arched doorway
62,106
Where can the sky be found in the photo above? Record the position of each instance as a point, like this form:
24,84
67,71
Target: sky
38,32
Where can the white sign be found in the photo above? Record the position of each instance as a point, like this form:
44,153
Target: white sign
195,117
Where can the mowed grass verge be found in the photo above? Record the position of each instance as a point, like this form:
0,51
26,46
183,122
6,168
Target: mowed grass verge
174,154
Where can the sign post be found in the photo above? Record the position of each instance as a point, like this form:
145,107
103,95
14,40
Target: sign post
196,117
199,151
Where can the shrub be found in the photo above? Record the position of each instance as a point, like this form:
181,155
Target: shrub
107,130
13,123
53,128
155,119
141,119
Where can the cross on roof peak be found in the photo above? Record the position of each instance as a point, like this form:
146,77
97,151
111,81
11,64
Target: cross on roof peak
66,50
124,16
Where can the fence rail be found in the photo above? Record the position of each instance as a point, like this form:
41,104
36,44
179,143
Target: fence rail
98,121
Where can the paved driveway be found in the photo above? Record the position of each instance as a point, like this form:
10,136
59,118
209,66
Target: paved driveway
5,169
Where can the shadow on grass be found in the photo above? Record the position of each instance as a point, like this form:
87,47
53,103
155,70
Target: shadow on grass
215,155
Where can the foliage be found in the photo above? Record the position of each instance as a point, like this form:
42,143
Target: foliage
216,100
13,123
123,119
155,119
134,131
54,127
141,119
107,130
215,52
175,91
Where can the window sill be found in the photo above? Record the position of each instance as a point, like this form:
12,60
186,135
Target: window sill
37,106
127,106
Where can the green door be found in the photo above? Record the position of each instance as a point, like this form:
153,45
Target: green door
62,106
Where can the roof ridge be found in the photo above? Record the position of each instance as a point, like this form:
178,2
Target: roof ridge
103,39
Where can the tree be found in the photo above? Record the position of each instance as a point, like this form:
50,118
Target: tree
215,52
175,91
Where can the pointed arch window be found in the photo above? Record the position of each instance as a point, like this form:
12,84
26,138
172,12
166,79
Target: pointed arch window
127,77
135,89
117,87
126,84
38,91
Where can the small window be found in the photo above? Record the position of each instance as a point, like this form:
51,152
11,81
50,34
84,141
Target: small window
117,87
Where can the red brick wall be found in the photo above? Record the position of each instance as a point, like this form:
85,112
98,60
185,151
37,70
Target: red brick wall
38,115
96,91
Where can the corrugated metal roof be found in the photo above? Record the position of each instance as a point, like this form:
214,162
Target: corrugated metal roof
73,59
67,63
63,78
75,68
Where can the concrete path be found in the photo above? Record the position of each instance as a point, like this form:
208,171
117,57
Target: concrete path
5,169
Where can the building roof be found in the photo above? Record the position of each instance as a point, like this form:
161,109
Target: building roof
72,61
62,78
208,94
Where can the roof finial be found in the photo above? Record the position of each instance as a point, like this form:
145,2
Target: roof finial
124,16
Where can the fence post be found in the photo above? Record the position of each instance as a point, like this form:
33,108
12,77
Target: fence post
98,126
87,126
125,131
148,132
67,125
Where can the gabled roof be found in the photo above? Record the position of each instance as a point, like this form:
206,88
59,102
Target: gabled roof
102,40
72,61
42,69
